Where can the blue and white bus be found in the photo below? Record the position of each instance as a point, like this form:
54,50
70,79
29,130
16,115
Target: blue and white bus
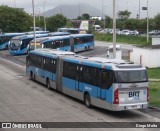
75,43
106,83
20,44
6,37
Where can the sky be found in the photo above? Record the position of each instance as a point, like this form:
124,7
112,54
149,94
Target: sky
130,5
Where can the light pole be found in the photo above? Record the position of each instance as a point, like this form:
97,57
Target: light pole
44,16
39,16
139,9
104,18
34,24
14,3
147,24
114,29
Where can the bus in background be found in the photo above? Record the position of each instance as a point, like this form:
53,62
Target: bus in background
110,84
81,42
20,44
6,37
70,30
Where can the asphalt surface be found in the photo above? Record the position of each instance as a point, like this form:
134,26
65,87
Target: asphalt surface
23,100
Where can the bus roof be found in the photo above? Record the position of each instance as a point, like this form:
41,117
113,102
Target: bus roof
12,34
29,36
51,38
52,52
115,64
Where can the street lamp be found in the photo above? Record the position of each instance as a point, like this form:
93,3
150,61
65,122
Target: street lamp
14,3
139,9
39,16
114,29
44,16
104,18
147,24
34,24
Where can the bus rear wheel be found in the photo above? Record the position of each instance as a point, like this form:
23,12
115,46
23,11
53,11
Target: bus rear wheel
87,100
85,49
48,84
31,75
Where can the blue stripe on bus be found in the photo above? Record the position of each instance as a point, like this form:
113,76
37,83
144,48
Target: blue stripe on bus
3,45
94,91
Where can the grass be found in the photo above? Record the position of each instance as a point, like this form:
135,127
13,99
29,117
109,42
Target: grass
154,87
154,94
153,73
138,40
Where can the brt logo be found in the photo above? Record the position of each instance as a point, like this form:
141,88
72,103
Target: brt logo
134,94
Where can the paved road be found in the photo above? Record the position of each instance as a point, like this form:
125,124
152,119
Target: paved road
25,100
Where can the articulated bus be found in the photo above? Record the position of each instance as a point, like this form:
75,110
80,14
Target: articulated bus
6,37
106,83
20,44
75,43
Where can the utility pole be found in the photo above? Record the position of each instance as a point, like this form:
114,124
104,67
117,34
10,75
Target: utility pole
44,16
14,3
147,24
114,29
34,24
139,9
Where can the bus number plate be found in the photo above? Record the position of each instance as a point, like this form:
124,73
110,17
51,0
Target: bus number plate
134,93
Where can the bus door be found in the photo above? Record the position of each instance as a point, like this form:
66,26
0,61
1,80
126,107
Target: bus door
78,84
43,67
72,43
101,93
59,74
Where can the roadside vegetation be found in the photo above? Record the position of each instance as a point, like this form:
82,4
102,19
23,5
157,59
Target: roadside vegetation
154,86
154,94
153,73
138,40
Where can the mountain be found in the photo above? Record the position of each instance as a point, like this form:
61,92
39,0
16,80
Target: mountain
73,11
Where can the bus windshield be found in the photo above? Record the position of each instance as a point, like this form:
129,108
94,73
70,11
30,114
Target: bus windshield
32,45
15,44
131,76
1,40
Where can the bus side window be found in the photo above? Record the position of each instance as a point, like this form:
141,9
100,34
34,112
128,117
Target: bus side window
105,78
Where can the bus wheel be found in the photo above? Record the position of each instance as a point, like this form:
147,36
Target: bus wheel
87,100
85,48
6,47
34,77
88,47
31,75
48,84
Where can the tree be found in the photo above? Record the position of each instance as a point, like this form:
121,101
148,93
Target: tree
123,15
14,20
69,24
86,16
107,21
55,22
157,21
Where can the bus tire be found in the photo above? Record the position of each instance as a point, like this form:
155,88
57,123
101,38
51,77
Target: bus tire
34,77
6,47
85,49
31,75
87,100
48,84
88,47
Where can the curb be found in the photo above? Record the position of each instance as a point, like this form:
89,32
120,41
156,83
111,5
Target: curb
154,80
153,107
